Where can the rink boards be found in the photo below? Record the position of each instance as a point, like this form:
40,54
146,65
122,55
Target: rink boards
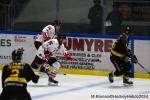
91,52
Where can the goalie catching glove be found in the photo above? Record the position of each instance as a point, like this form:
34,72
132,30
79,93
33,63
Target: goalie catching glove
68,56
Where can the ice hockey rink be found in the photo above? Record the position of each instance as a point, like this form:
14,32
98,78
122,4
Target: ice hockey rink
84,87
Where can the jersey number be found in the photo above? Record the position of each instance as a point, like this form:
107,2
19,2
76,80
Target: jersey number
14,72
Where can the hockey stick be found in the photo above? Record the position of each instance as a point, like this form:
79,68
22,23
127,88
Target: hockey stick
143,67
135,60
61,73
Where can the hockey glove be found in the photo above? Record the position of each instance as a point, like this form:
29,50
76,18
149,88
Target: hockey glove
47,55
126,59
68,56
134,59
36,78
129,53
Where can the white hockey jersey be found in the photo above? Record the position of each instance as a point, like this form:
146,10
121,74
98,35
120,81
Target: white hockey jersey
47,33
53,47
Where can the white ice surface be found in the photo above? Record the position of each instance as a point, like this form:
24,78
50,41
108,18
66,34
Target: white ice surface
83,87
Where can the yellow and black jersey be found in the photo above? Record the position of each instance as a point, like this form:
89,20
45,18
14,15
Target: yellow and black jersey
120,47
18,74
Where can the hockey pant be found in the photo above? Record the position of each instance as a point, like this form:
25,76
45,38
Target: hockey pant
122,66
37,62
55,65
37,44
11,93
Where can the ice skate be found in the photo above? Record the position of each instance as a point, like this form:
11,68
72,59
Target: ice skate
110,77
126,82
52,82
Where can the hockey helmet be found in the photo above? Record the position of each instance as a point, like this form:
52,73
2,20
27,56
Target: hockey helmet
17,54
52,29
127,30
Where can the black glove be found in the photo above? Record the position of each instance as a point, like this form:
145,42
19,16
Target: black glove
36,78
134,59
129,53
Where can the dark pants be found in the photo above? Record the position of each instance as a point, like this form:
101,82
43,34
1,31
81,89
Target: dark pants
122,66
37,62
37,44
15,93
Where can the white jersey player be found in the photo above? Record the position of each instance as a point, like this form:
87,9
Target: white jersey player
48,32
47,54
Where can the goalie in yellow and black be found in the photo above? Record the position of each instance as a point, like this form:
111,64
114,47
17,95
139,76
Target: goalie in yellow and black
121,58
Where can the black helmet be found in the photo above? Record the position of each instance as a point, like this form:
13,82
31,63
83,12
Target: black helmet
127,30
17,54
61,36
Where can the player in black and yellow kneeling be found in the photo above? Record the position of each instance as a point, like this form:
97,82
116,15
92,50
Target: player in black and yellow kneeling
15,76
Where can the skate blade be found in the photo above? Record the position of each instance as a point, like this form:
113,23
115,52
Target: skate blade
126,85
52,84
